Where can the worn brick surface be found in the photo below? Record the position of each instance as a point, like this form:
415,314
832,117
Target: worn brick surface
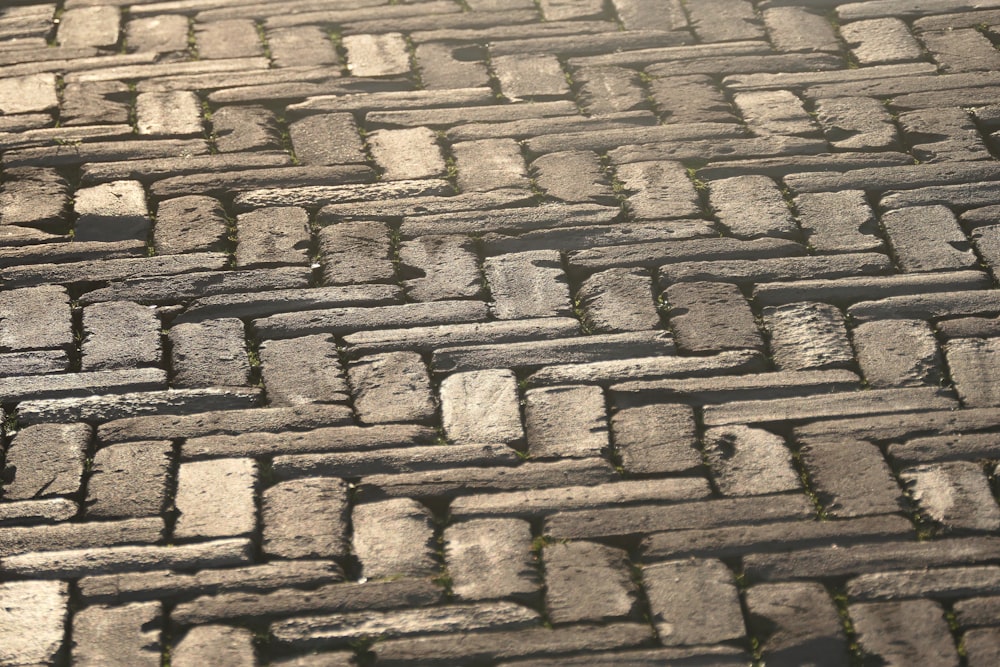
499,332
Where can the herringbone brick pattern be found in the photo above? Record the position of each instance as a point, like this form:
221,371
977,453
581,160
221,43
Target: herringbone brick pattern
499,332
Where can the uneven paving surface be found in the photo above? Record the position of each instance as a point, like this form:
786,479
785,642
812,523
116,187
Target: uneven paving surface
481,332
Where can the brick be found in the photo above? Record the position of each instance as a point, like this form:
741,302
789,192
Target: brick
219,644
356,252
961,50
719,21
744,272
895,353
301,371
407,153
481,407
851,290
774,112
647,368
35,318
958,196
327,139
717,655
691,99
112,212
245,128
40,362
45,460
977,611
797,622
619,300
271,236
659,190
529,284
565,422
969,327
613,137
747,461
96,102
235,38
573,176
119,335
987,242
95,151
168,114
859,123
160,34
711,317
943,134
705,591
799,29
881,179
19,540
417,99
697,390
606,90
394,538
377,55
129,480
943,448
982,647
941,583
751,206
216,498
881,40
209,354
146,169
574,127
900,632
464,115
838,221
391,387
972,362
489,164
129,634
194,223
306,518
954,494
491,558
869,489
808,336
443,67
158,290
28,388
443,266
36,615
301,46
37,511
34,197
585,581
530,76
89,26
25,94
512,220
561,10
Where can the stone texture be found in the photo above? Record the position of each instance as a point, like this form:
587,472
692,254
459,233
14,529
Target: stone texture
658,190
481,407
900,632
711,317
897,353
45,460
838,221
129,480
491,558
955,494
272,236
565,422
751,206
119,334
749,461
356,252
113,211
442,266
209,354
125,635
869,489
693,602
301,371
928,238
656,438
971,361
194,223
35,613
528,284
394,538
807,336
216,498
305,518
407,153
391,387
798,623
586,581
221,645
489,164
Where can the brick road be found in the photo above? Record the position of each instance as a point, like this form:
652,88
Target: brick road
499,332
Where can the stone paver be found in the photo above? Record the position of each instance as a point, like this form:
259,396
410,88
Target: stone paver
499,332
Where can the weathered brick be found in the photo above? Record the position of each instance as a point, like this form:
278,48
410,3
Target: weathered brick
96,102
528,284
868,489
220,645
391,387
982,646
955,494
481,407
128,634
216,498
194,223
693,602
271,236
407,153
961,50
162,33
775,112
751,206
489,164
942,135
443,266
800,29
721,21
377,55
394,538
35,625
711,317
838,221
209,354
306,518
846,291
154,289
234,38
561,10
327,139
118,335
860,123
895,353
129,480
585,581
881,40
808,336
797,623
573,176
175,113
20,540
903,632
34,197
648,368
691,99
606,90
659,190
45,460
35,318
565,422
301,46
619,300
24,94
491,558
300,371
245,128
531,76
972,362
89,26
356,252
749,461
111,212
441,67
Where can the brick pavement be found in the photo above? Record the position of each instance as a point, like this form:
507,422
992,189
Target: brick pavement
499,332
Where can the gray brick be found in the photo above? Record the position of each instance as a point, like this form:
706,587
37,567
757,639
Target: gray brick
798,623
327,139
808,335
868,489
220,645
721,21
377,55
636,14
37,615
118,335
697,390
443,266
895,353
955,494
961,50
749,461
978,611
89,26
395,461
272,236
648,368
528,284
195,223
407,153
54,387
481,407
216,498
129,480
903,632
39,362
799,29
928,238
585,581
356,252
34,197
235,38
986,240
97,102
124,635
881,40
511,220
751,206
36,317
37,511
982,646
172,289
306,518
942,135
565,422
489,164
25,94
691,99
440,69
619,300
659,190
300,371
775,112
972,362
491,558
605,90
612,138
19,540
850,290
209,354
711,317
966,446
111,212
301,46
45,460
573,176
391,387
838,221
245,128
175,113
396,100
162,33
941,583
693,602
530,76
394,538
861,123
963,196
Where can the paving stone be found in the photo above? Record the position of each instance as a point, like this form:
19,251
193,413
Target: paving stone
585,581
209,354
981,646
774,112
427,198
658,190
481,407
89,26
394,538
444,266
147,169
19,540
619,300
24,94
747,461
129,480
561,10
156,290
391,387
35,615
491,558
882,179
648,368
711,317
716,21
969,327
45,460
605,90
971,362
943,134
161,33
977,611
34,197
225,183
751,206
216,498
691,99
38,362
565,422
960,196
118,335
987,242
271,236
301,371
407,153
301,46
377,55
95,102
858,123
442,66
881,40
716,655
489,164
943,448
868,490
894,353
798,623
306,518
165,114
244,129
95,151
954,494
512,220
961,50
13,389
570,128
573,176
112,212
35,318
530,76
356,252
401,100
194,223
129,635
900,632
941,583
327,139
838,221
704,590
808,336
528,284
37,511
220,644
800,29
234,38
850,290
